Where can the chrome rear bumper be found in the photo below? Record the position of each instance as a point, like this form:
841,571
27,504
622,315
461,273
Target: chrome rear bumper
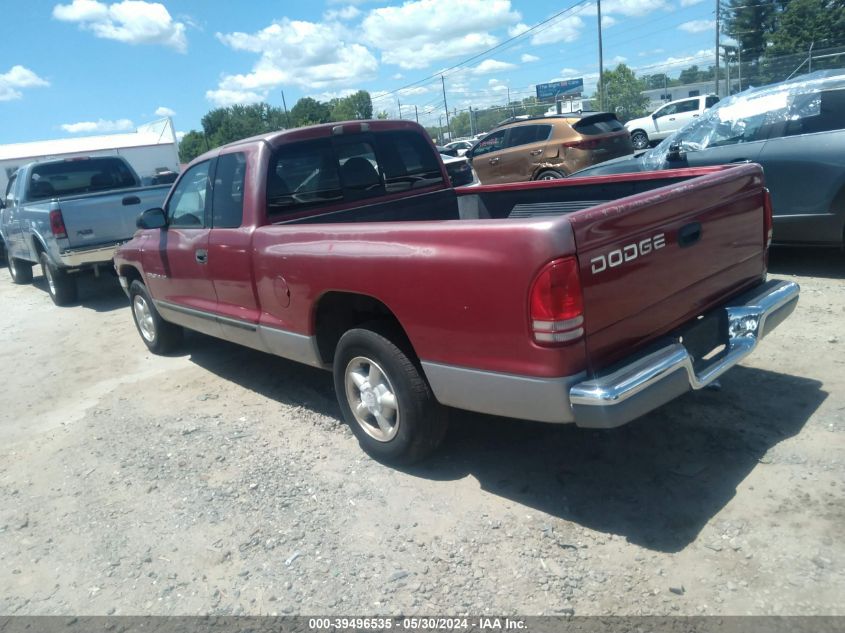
635,387
78,258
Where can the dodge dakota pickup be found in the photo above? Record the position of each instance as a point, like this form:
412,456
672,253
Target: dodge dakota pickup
342,246
69,215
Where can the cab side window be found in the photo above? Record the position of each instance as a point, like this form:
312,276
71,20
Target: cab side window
688,106
187,206
10,190
227,206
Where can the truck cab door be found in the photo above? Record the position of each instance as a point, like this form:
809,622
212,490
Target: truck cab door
176,257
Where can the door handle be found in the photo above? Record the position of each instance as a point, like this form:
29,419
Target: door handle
696,115
493,161
131,200
536,152
201,255
672,118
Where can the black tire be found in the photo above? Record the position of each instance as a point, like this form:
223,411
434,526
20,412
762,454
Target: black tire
419,421
60,285
639,140
550,174
159,336
20,271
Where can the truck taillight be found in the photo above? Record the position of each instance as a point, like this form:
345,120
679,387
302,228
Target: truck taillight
555,303
768,222
57,223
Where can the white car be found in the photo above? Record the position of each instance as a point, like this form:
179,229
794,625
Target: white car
460,147
667,119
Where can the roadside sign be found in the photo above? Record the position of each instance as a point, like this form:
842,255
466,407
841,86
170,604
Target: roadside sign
556,89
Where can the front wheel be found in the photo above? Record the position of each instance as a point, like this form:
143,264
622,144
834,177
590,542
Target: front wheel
60,285
549,174
19,270
158,335
639,140
384,397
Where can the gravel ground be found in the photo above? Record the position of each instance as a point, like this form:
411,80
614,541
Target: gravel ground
220,480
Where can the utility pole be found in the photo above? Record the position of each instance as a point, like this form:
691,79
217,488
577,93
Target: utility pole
446,107
727,74
441,129
471,130
399,103
810,57
718,29
601,60
739,62
287,116
416,114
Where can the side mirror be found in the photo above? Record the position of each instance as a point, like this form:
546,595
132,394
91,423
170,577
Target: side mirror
676,152
152,219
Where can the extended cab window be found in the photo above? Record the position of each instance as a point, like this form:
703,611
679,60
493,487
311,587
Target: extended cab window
407,161
79,175
710,102
187,205
301,176
227,206
688,106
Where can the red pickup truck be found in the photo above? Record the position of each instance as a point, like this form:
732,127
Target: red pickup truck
343,246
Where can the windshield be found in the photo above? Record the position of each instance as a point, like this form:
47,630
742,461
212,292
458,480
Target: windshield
753,115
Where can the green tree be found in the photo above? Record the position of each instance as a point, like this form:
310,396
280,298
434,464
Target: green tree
308,111
751,24
192,145
623,93
805,22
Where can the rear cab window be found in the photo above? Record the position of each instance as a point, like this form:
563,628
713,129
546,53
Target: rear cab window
304,176
79,176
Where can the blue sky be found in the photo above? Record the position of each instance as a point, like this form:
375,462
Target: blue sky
87,67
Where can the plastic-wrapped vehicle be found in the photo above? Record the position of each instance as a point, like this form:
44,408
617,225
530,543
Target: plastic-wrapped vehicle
795,129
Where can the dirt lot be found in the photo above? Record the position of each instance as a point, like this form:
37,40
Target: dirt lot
221,481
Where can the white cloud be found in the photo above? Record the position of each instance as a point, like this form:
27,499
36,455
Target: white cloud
16,78
398,76
416,90
419,32
130,21
497,86
180,135
346,13
570,72
291,52
518,29
492,66
100,125
225,98
698,26
619,59
689,3
678,63
608,21
527,59
164,111
633,8
566,29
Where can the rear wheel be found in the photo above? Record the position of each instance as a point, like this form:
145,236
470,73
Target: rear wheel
384,397
158,335
639,140
20,270
60,285
549,174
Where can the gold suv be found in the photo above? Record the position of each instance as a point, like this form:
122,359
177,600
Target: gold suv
548,148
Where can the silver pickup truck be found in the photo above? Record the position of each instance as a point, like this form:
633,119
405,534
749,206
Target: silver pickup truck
70,215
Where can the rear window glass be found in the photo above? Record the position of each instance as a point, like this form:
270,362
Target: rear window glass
408,161
72,177
597,125
301,176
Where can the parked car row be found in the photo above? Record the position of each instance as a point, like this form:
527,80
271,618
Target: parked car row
795,129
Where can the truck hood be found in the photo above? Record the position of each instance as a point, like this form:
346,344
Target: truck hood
645,121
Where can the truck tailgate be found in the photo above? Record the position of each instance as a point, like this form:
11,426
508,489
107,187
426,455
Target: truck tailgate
653,261
106,218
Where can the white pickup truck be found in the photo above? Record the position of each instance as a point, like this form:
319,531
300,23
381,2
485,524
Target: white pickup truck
667,119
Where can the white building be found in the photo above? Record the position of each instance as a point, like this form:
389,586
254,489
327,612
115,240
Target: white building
658,96
152,148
